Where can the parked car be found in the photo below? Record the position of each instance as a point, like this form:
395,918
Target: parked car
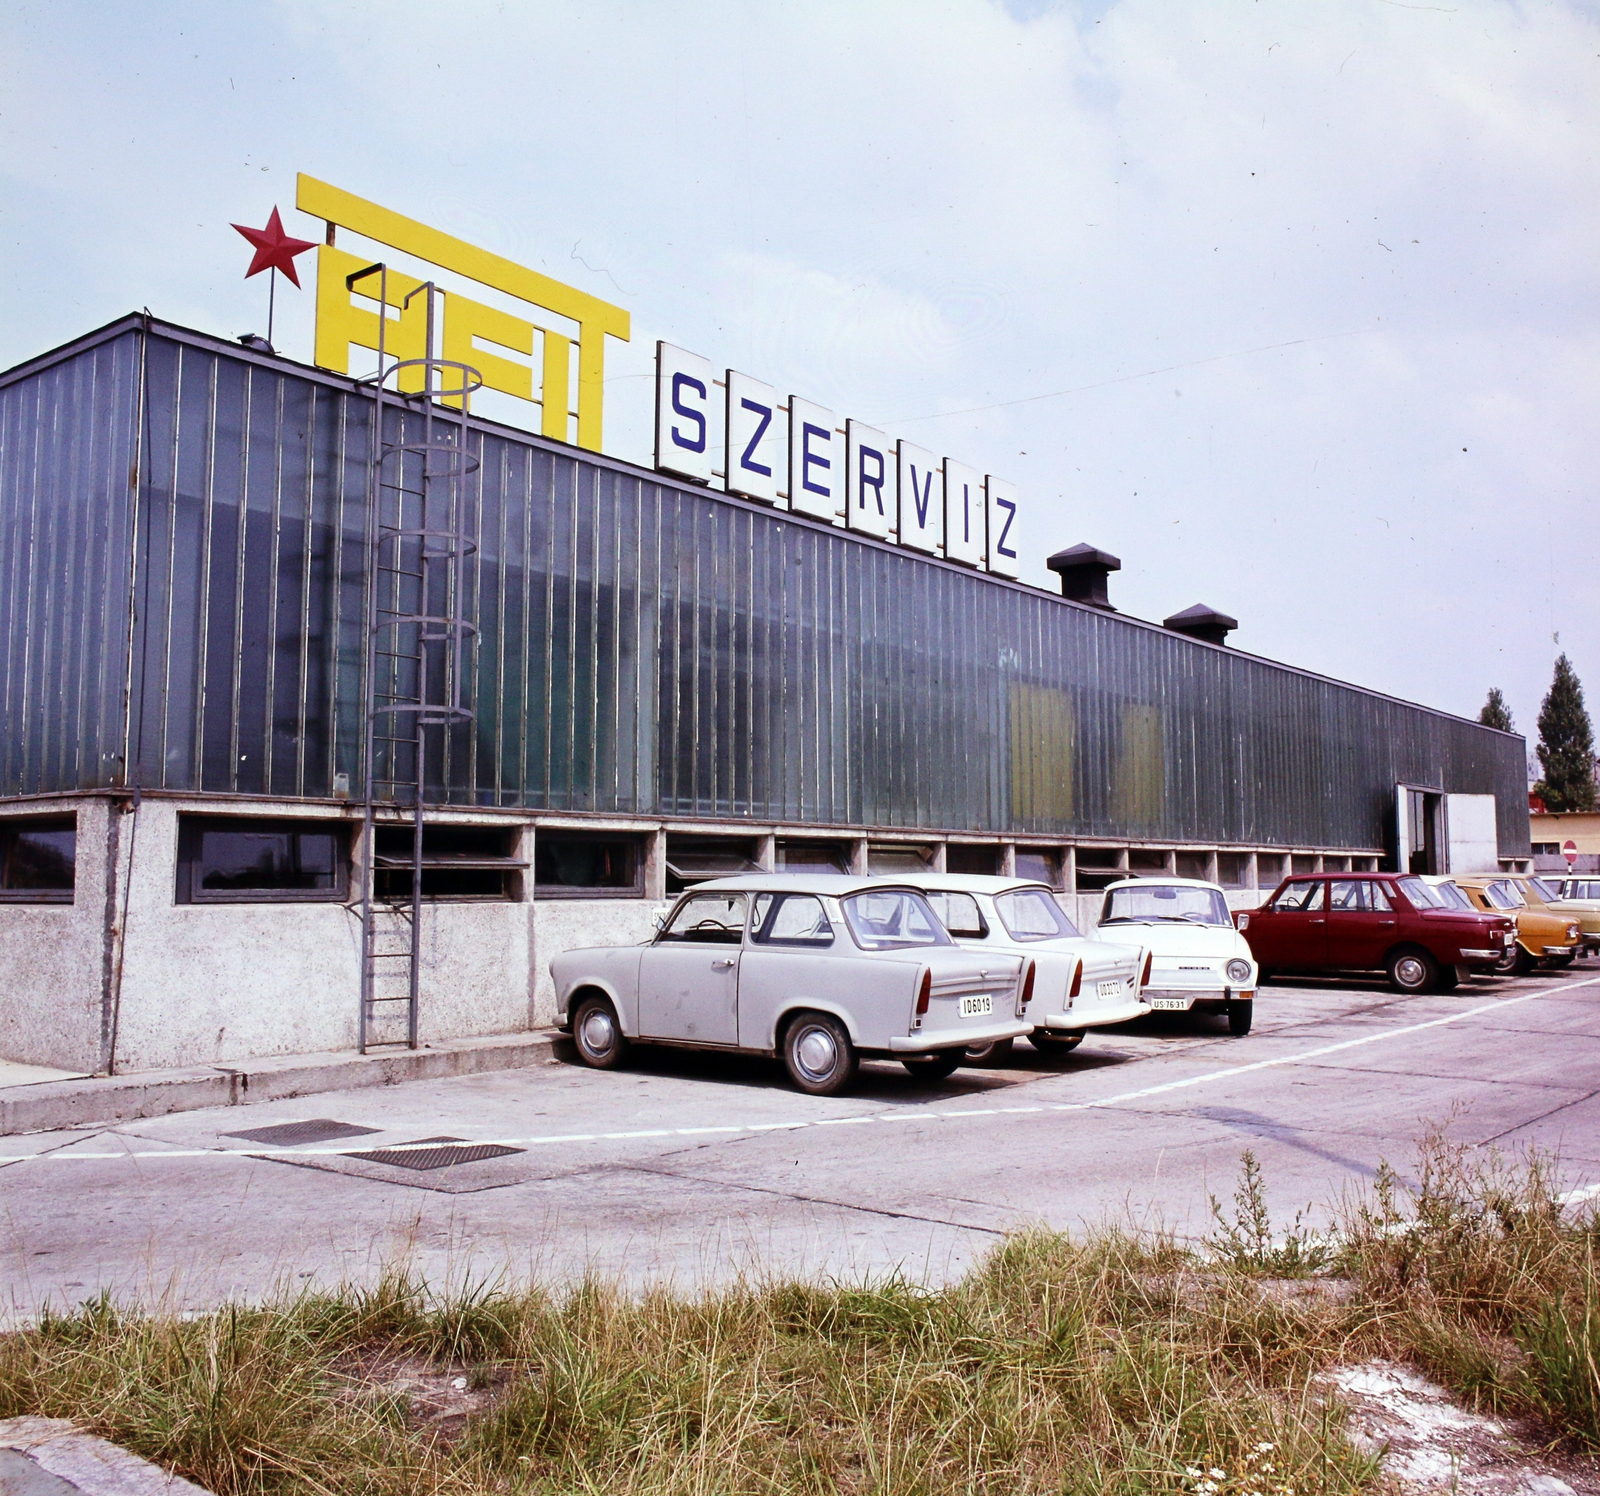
1081,983
1198,960
1579,897
1390,922
818,969
1545,937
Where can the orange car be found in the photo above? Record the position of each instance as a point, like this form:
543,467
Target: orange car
1544,936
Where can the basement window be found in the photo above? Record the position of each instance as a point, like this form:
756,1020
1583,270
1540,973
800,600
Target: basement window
1040,865
458,863
962,857
802,855
889,858
696,859
261,860
38,860
587,865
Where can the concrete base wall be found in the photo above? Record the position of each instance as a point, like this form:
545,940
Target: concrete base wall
570,924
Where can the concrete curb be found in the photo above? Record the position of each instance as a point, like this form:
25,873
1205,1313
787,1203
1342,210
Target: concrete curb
53,1106
53,1455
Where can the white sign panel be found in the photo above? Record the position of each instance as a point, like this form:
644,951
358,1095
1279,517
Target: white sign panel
965,536
816,462
683,413
1002,497
755,454
871,481
921,488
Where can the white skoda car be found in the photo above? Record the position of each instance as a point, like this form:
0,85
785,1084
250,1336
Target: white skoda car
1082,983
817,970
1199,961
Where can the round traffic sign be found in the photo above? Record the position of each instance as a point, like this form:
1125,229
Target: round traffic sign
1569,850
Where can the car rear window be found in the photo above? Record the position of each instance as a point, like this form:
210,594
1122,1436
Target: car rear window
959,914
1421,895
1031,914
893,919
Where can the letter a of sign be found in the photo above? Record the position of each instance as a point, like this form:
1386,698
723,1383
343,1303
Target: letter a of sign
871,503
683,413
965,533
755,449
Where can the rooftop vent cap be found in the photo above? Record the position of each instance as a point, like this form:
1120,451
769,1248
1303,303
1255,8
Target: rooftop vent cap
1083,571
1201,622
255,343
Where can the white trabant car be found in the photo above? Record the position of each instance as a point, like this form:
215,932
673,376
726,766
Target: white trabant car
818,969
1198,960
1081,983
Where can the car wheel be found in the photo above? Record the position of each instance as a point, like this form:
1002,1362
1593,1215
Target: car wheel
936,1066
1412,971
818,1054
992,1053
597,1034
1239,1016
1055,1041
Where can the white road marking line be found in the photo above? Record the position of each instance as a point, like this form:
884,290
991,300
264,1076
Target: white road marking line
905,1115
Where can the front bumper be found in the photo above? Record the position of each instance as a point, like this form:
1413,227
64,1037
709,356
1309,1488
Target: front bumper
929,1041
1183,999
1078,1019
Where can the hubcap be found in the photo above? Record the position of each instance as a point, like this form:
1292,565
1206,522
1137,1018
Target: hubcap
816,1053
599,1032
1409,971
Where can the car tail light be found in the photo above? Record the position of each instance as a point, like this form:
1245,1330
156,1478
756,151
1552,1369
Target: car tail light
1027,983
925,993
1149,963
1077,981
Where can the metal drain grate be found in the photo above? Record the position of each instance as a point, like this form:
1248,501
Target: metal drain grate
316,1130
453,1151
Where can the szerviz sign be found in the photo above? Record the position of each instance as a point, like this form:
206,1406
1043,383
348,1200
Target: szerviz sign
798,456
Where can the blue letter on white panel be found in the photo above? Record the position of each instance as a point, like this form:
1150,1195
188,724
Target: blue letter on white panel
871,480
921,500
755,455
965,534
816,482
1003,558
683,413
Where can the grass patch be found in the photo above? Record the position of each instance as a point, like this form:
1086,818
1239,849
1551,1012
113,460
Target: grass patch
1111,1364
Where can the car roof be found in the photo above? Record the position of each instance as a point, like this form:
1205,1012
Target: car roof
990,883
1161,879
834,885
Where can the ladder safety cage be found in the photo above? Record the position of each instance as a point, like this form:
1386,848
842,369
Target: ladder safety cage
417,637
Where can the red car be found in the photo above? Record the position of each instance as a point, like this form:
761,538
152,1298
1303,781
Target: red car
1390,922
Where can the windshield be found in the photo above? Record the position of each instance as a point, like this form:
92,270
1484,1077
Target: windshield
1453,896
1546,891
1031,914
1506,896
1147,902
893,919
1421,895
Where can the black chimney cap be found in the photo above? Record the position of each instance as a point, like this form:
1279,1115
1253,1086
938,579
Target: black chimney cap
1201,622
1083,571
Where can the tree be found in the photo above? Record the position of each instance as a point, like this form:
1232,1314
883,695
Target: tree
1566,745
1496,713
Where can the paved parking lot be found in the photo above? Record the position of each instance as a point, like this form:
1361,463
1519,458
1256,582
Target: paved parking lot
694,1167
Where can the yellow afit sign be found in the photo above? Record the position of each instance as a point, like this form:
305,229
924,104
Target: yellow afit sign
467,324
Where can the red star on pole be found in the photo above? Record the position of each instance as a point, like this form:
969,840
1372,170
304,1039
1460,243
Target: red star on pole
275,250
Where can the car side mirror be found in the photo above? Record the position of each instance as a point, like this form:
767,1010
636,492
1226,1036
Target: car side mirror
659,921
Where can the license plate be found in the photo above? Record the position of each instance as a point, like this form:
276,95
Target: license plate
1171,1004
976,1006
1110,989
1508,938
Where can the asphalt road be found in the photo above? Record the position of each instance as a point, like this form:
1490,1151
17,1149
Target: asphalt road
695,1168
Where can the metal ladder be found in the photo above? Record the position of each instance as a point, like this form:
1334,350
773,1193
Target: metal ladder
416,637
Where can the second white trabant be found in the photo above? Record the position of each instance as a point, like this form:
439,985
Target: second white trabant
1083,983
818,969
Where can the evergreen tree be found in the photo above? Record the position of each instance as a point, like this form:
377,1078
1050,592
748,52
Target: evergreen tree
1566,745
1496,713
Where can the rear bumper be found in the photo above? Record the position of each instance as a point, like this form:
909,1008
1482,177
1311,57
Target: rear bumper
1097,1017
927,1041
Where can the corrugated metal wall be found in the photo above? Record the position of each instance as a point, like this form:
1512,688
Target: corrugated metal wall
650,647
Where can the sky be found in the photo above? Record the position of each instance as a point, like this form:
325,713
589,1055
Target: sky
1290,306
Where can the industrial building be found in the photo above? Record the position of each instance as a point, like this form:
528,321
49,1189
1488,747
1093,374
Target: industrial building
662,681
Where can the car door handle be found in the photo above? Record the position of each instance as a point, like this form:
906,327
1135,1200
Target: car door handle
1318,921
1385,921
727,961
